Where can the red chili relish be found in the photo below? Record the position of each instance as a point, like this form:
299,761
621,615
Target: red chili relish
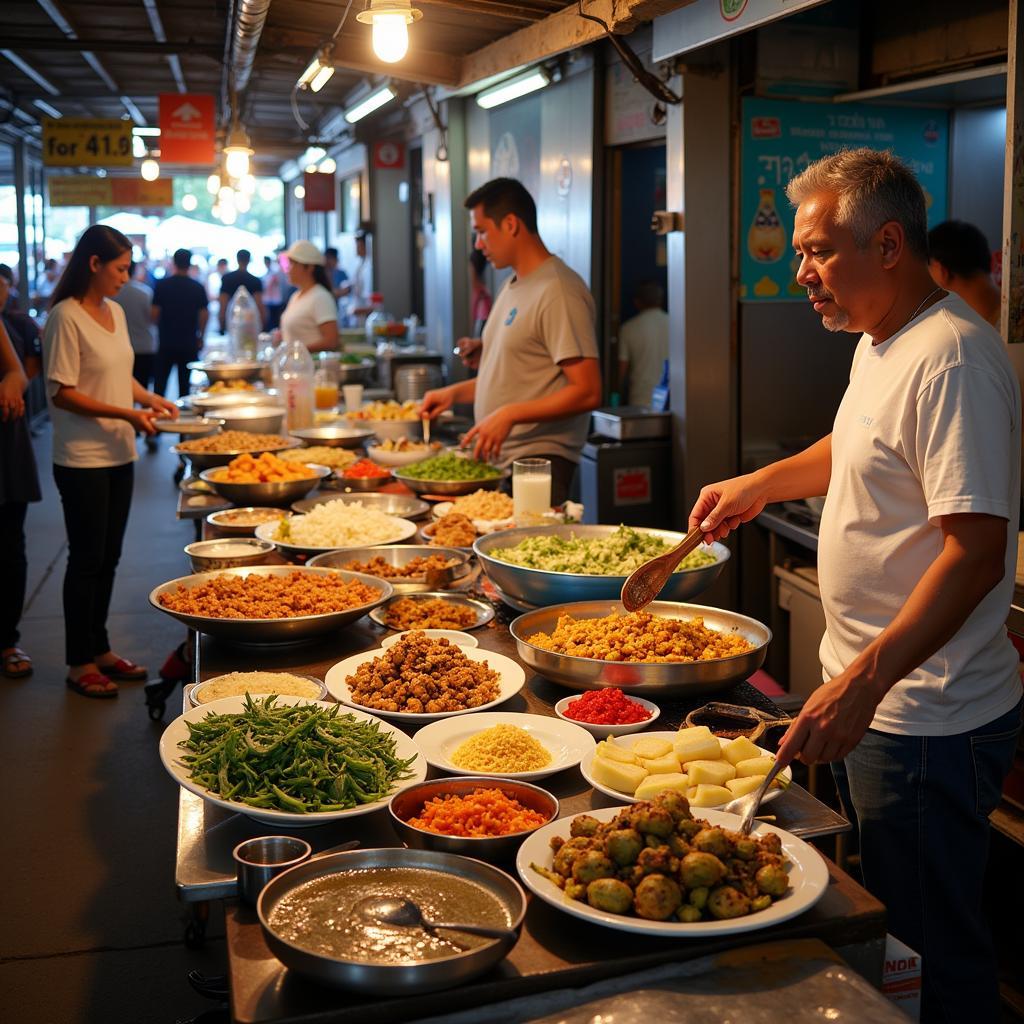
608,706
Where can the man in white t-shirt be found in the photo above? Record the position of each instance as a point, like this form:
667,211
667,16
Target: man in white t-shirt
539,376
921,705
643,343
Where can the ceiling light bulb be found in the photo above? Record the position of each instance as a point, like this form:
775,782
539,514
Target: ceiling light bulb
213,184
299,192
321,78
390,37
224,193
189,202
150,170
328,166
237,151
248,184
237,164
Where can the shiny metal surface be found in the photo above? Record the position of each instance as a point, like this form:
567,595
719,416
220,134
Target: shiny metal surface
261,859
452,487
240,370
189,426
232,399
193,691
250,552
392,979
269,631
483,609
218,520
399,505
393,429
277,492
399,555
541,587
257,419
356,373
409,803
332,437
657,679
208,460
359,484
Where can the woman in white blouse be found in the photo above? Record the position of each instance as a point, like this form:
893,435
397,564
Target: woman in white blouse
311,315
88,360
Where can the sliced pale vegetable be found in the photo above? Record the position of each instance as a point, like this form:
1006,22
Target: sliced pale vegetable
655,784
692,731
650,746
706,795
755,766
613,752
696,748
740,749
623,778
746,784
661,765
714,773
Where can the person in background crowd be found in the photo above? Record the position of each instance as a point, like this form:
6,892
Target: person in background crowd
88,366
360,286
921,709
311,315
214,279
960,261
19,480
46,283
180,313
539,375
12,290
136,299
231,282
480,299
335,275
273,298
643,343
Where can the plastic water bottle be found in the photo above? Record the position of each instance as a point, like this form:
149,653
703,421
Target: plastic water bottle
243,325
374,317
659,396
293,378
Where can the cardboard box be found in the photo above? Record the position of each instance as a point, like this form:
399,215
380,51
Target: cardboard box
901,977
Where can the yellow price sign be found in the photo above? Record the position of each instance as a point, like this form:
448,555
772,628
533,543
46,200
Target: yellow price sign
87,142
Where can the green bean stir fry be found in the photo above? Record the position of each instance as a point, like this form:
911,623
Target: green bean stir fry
301,759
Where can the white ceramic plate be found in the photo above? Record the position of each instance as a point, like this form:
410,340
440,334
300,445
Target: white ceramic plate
511,681
170,754
568,744
397,459
808,880
442,508
588,763
403,531
455,636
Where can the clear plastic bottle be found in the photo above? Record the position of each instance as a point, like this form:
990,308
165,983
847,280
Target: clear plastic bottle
243,325
374,317
293,378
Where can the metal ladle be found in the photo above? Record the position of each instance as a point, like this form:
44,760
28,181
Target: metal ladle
407,914
645,582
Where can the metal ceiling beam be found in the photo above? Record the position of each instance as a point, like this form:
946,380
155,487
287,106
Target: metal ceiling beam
157,25
57,16
30,72
122,46
250,18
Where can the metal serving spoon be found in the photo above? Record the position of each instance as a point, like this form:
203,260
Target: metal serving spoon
645,582
407,914
748,805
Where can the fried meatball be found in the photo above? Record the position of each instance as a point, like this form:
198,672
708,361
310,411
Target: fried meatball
623,845
701,869
713,840
772,880
654,819
725,902
657,898
583,825
610,895
591,865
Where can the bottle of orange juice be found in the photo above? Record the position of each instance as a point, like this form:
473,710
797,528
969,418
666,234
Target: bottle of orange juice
326,380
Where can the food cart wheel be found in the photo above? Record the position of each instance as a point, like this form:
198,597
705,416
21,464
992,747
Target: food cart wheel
211,986
195,930
156,694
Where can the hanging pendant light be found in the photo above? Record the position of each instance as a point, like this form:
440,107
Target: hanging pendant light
390,20
237,151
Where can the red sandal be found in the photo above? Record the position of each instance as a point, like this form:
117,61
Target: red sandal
93,684
126,670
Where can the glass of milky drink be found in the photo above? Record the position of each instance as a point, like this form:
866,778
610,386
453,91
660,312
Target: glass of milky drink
531,490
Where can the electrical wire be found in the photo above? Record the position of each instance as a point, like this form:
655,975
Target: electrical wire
295,90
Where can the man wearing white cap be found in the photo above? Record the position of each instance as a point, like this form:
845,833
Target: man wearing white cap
311,315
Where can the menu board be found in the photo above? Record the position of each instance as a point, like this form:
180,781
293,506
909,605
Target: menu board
781,138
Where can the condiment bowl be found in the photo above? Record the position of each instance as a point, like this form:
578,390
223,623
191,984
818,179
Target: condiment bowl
602,732
228,553
277,492
221,521
360,484
261,859
409,803
256,419
385,457
333,436
454,636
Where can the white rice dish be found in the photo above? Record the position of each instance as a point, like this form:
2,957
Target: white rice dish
339,524
234,684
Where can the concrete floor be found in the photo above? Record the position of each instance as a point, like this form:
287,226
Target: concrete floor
91,929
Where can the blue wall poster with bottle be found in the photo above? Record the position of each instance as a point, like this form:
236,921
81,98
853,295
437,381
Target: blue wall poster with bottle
781,138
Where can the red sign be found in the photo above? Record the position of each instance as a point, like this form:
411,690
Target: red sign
765,128
631,485
137,192
188,128
320,191
388,155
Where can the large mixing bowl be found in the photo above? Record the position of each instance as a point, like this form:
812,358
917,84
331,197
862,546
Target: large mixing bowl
269,631
544,587
333,436
277,492
382,979
651,679
237,370
233,399
453,488
210,460
400,505
258,418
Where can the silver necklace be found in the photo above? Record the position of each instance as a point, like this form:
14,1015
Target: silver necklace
919,308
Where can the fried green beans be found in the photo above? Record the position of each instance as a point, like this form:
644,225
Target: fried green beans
302,758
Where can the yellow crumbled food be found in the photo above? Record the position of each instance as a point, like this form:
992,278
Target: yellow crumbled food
502,748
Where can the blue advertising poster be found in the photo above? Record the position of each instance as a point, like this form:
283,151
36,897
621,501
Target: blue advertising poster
781,138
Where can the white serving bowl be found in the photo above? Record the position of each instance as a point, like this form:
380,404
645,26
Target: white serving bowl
455,636
602,732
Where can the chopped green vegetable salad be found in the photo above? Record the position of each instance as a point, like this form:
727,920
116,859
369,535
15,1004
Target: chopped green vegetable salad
615,555
300,758
451,467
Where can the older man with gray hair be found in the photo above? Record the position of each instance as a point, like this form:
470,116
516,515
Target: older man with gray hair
920,708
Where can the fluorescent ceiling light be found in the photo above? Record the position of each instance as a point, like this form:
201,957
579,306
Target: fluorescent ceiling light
521,85
319,71
30,72
46,108
146,132
372,102
139,149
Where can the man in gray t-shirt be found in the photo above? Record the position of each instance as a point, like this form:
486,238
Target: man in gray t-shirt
539,375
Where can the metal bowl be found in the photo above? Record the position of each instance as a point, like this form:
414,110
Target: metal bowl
210,460
241,370
269,631
257,419
399,555
399,505
396,460
392,429
217,520
332,437
202,553
483,610
292,550
456,488
356,373
543,587
360,484
233,399
189,426
409,803
402,979
657,679
194,692
279,492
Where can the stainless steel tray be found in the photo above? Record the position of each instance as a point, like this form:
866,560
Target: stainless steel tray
399,555
484,611
631,423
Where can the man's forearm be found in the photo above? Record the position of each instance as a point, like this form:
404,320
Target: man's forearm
77,402
464,391
802,476
570,400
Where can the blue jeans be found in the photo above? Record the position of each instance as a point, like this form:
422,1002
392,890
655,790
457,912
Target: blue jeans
921,805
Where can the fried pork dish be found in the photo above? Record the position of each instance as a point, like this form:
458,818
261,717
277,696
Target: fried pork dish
269,597
655,860
418,566
423,676
432,613
639,636
453,531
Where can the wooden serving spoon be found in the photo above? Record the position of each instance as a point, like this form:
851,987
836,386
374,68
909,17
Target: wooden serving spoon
645,582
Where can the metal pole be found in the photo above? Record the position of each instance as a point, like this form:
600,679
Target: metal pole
19,199
1012,311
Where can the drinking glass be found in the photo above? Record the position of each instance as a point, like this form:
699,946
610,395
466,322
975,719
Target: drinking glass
531,490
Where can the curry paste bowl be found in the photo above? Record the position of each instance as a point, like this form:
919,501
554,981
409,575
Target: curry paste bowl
287,898
410,802
654,680
543,587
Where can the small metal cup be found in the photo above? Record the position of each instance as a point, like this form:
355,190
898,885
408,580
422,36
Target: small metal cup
259,860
